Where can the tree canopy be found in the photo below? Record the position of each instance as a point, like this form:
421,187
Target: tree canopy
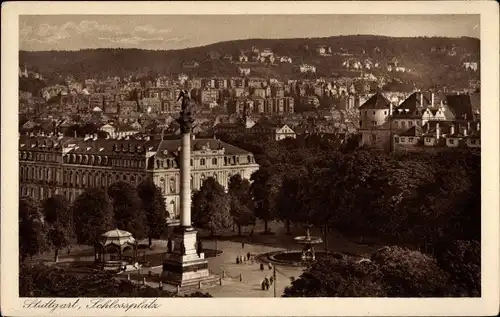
241,204
211,208
153,204
32,228
391,272
93,212
128,209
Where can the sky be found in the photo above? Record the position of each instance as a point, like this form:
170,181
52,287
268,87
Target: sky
165,32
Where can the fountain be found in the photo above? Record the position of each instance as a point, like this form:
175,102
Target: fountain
308,252
304,256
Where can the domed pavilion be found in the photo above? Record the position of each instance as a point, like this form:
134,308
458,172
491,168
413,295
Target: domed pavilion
115,250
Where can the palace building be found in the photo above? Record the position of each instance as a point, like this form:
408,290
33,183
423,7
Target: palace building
66,166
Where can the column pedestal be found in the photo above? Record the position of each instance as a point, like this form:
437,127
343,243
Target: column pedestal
184,266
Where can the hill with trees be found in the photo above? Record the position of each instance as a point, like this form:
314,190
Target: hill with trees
435,59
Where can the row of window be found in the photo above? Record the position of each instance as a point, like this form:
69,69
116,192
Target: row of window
374,112
47,157
74,178
429,140
403,124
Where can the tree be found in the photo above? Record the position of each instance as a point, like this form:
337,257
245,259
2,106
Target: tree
265,187
153,204
211,208
391,272
409,273
60,219
128,209
241,203
93,216
462,260
32,228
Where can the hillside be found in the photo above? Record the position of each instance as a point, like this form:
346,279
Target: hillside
429,58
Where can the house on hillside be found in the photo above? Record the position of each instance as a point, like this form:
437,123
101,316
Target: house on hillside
190,64
305,68
244,71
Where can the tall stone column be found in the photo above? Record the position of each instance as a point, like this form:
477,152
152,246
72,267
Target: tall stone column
184,265
185,187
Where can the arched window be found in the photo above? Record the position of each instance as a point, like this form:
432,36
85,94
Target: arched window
90,178
168,164
84,178
132,180
202,162
249,158
162,185
157,163
214,161
171,184
124,177
97,179
77,179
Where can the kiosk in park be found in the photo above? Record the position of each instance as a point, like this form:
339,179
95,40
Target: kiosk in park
115,250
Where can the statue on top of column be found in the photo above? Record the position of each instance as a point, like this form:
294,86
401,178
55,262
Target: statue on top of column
186,118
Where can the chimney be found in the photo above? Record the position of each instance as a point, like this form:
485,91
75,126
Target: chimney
438,131
452,129
432,100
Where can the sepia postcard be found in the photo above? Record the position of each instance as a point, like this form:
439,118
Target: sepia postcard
250,158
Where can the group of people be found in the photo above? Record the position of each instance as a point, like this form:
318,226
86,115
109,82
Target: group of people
269,265
243,259
266,283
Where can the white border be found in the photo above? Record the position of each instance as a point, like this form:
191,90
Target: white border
488,304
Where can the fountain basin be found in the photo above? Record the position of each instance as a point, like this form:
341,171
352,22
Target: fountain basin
294,257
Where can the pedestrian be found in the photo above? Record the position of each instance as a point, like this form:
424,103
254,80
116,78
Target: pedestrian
262,266
245,260
242,244
271,280
248,255
266,282
263,285
237,260
270,266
